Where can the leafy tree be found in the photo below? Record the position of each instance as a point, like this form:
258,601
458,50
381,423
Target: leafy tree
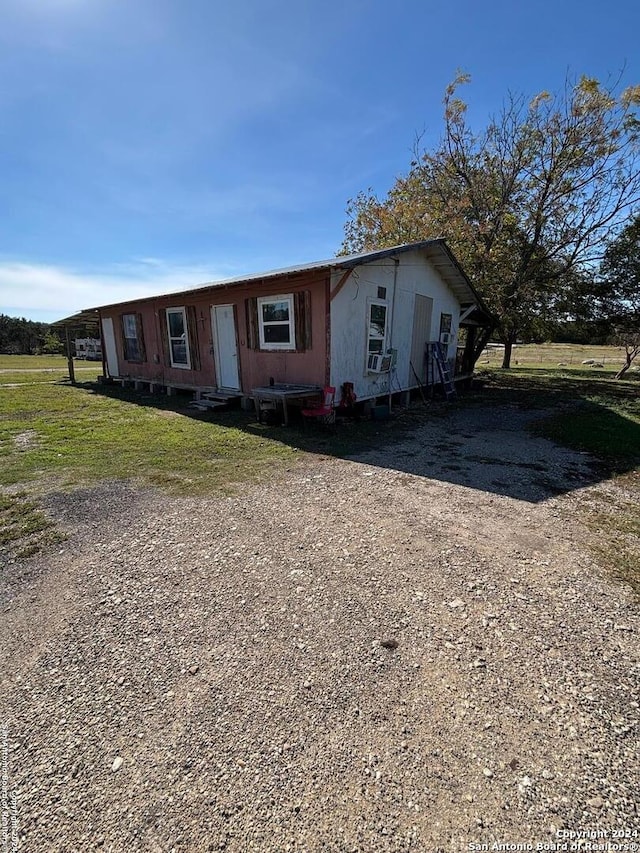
525,204
620,270
52,345
20,336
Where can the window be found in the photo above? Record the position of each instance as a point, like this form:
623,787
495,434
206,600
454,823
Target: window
178,340
446,322
132,337
276,322
279,322
377,331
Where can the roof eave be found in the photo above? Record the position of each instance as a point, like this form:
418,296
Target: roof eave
86,317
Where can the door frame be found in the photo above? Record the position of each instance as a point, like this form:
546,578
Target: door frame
109,341
420,337
216,347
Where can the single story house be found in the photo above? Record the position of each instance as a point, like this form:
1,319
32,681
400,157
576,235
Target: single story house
363,319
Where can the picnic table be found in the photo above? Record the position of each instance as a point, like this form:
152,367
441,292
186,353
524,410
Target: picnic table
282,393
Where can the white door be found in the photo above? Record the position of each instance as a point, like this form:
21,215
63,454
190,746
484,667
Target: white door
109,340
225,346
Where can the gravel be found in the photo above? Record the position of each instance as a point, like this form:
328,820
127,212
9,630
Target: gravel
411,650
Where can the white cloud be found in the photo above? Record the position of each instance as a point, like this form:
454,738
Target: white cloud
47,292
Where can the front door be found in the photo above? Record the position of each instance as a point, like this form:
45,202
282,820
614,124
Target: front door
223,323
110,352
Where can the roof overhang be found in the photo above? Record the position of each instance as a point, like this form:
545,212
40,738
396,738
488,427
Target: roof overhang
475,315
90,317
446,265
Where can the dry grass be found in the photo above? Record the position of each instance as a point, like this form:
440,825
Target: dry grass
570,356
612,517
24,528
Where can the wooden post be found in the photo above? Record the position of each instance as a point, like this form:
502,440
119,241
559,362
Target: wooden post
72,375
467,358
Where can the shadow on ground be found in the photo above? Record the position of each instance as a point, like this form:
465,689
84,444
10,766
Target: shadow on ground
494,439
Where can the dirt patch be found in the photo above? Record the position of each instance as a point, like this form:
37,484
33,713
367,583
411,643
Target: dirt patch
385,653
26,440
32,369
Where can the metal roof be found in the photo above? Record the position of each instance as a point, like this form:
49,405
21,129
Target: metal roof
436,250
89,317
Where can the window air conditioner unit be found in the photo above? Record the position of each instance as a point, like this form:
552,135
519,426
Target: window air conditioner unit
445,338
379,363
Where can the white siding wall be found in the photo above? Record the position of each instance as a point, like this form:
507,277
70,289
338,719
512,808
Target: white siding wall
349,321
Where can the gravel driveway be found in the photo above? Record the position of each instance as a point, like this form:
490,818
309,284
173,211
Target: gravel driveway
411,650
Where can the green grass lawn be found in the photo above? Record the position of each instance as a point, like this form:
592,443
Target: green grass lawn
41,362
79,435
59,436
54,435
29,377
29,369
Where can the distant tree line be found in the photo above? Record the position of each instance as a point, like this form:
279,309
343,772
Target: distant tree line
19,336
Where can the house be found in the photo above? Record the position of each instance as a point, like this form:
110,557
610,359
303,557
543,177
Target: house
363,319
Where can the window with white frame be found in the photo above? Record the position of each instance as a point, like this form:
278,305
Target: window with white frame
376,331
178,338
276,322
132,335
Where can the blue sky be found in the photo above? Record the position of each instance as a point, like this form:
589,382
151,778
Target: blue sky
150,145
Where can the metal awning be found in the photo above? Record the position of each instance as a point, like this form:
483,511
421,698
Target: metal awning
89,317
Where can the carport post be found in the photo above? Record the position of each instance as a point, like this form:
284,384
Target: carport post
72,375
